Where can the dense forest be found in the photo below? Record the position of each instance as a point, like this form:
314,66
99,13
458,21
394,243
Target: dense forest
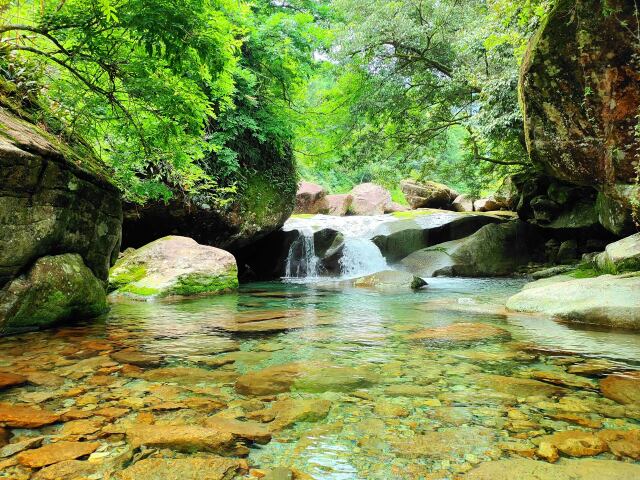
174,96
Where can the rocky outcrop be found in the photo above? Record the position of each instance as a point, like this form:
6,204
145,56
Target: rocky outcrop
427,194
370,199
494,250
310,199
406,236
580,94
60,217
263,202
174,266
616,303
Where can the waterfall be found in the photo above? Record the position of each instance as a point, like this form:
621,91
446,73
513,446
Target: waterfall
302,261
361,257
357,256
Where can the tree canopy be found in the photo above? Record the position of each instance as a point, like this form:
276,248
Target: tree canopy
174,95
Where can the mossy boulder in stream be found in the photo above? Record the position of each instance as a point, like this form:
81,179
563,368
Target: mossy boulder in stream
174,266
580,95
621,256
55,289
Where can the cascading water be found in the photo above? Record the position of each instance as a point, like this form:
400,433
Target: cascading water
358,255
302,261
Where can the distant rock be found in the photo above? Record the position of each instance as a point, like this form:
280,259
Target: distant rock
616,304
494,250
370,199
427,194
310,198
338,205
463,203
489,204
395,207
384,281
174,266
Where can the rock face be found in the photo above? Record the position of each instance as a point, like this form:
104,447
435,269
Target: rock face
427,194
370,199
580,95
616,303
310,198
54,199
620,256
54,289
494,250
174,266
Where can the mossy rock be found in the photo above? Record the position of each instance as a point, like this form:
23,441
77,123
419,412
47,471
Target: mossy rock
173,266
57,288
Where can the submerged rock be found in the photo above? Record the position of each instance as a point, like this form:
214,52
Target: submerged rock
616,303
525,469
494,250
184,438
56,452
461,333
8,380
622,387
18,416
174,266
191,468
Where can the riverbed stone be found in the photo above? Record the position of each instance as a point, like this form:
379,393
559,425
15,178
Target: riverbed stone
17,447
249,430
445,444
67,470
56,452
19,416
461,333
8,380
184,438
284,413
622,387
137,358
617,303
577,443
519,387
525,469
174,266
192,468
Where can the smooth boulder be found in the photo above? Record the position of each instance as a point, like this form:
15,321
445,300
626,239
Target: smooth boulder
427,194
494,250
174,266
605,300
370,199
338,205
620,256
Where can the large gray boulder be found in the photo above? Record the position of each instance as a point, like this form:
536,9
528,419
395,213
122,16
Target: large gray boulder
605,300
403,237
54,198
174,266
494,250
620,256
427,194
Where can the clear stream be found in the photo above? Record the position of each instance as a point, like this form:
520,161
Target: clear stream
400,408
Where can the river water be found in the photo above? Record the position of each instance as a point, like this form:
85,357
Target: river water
374,401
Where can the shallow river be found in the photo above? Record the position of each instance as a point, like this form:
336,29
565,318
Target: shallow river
374,400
